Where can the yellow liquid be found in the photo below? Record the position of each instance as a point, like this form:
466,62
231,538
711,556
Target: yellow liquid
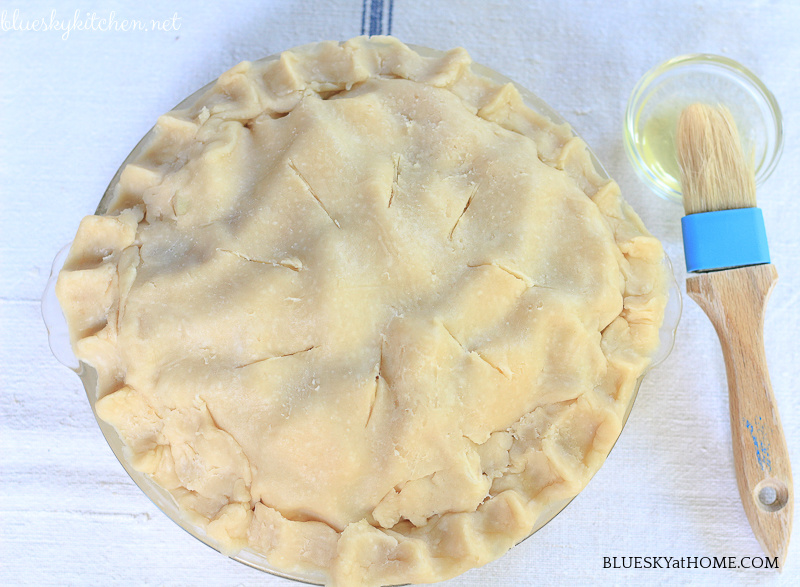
656,143
657,146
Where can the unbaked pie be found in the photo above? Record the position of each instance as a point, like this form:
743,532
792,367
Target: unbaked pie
364,312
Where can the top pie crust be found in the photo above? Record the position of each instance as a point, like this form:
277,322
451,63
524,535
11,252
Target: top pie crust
364,312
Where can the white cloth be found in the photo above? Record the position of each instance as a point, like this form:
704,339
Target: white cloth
73,108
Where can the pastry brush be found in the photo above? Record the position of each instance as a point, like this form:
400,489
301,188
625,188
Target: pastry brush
726,246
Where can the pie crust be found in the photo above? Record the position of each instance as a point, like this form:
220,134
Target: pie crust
364,312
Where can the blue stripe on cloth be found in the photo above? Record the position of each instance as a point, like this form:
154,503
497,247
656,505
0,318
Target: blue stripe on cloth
372,12
376,18
363,16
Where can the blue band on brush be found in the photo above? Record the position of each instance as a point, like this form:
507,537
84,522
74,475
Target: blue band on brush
724,239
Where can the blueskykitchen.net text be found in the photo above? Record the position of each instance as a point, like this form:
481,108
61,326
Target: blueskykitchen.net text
89,21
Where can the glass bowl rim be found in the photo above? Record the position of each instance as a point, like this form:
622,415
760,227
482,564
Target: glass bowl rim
744,75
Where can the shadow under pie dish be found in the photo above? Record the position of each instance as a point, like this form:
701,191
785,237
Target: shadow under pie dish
358,314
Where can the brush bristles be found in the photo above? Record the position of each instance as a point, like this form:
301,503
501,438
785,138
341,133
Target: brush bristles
714,172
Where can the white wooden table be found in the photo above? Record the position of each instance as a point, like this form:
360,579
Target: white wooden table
70,111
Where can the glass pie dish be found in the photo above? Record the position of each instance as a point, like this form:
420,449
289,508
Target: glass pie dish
161,497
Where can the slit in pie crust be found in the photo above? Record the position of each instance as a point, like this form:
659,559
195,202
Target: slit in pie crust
364,312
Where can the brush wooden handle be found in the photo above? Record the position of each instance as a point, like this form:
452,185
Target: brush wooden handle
735,300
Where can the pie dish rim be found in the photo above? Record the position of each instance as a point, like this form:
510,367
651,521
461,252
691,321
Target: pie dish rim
161,497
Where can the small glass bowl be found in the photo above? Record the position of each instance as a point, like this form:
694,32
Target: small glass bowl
664,91
60,346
